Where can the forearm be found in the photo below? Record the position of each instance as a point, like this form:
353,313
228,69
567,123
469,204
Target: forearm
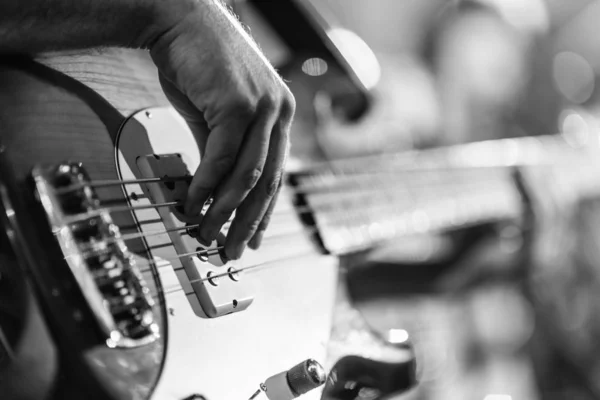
32,26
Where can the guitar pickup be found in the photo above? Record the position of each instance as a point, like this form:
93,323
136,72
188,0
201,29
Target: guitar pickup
217,283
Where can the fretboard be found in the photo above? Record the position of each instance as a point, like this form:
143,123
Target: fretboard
360,203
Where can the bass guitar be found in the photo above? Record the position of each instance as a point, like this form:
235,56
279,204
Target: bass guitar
137,307
93,165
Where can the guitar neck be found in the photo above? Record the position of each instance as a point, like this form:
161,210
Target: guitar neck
359,203
362,210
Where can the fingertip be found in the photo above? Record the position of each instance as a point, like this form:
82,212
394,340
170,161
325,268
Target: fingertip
204,242
234,252
256,240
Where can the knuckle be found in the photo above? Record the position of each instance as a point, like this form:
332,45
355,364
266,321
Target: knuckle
244,107
288,107
270,102
274,184
201,188
250,178
265,222
252,225
225,213
282,136
224,162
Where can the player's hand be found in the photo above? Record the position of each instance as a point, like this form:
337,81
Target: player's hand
240,111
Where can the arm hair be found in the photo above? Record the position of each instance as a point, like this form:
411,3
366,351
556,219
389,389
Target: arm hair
32,26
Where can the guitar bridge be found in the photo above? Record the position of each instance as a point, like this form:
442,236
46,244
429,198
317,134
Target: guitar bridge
97,256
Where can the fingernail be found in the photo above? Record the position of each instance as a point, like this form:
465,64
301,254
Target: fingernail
203,241
236,252
207,235
256,240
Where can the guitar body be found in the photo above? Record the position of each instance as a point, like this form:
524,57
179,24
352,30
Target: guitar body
290,317
48,118
28,356
84,108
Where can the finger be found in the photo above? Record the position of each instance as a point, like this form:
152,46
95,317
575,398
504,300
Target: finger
257,238
220,155
200,132
253,210
246,173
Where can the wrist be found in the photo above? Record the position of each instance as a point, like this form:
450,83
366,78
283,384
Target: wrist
164,17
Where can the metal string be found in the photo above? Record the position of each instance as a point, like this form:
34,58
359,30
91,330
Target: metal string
254,268
206,252
217,250
342,214
298,209
301,189
132,236
117,182
97,212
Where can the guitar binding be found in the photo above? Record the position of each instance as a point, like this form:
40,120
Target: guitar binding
101,264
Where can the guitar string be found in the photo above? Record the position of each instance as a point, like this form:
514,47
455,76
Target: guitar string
115,182
410,160
209,251
250,268
298,209
216,276
73,219
344,215
132,236
299,189
116,209
150,263
215,251
341,183
341,218
303,233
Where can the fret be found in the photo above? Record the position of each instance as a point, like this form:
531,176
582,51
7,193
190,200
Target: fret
346,223
359,203
354,233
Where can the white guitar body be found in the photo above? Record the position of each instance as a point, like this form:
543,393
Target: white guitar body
289,320
221,335
221,339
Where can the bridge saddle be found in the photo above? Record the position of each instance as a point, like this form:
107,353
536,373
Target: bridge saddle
101,264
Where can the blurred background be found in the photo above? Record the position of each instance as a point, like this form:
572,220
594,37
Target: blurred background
497,325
